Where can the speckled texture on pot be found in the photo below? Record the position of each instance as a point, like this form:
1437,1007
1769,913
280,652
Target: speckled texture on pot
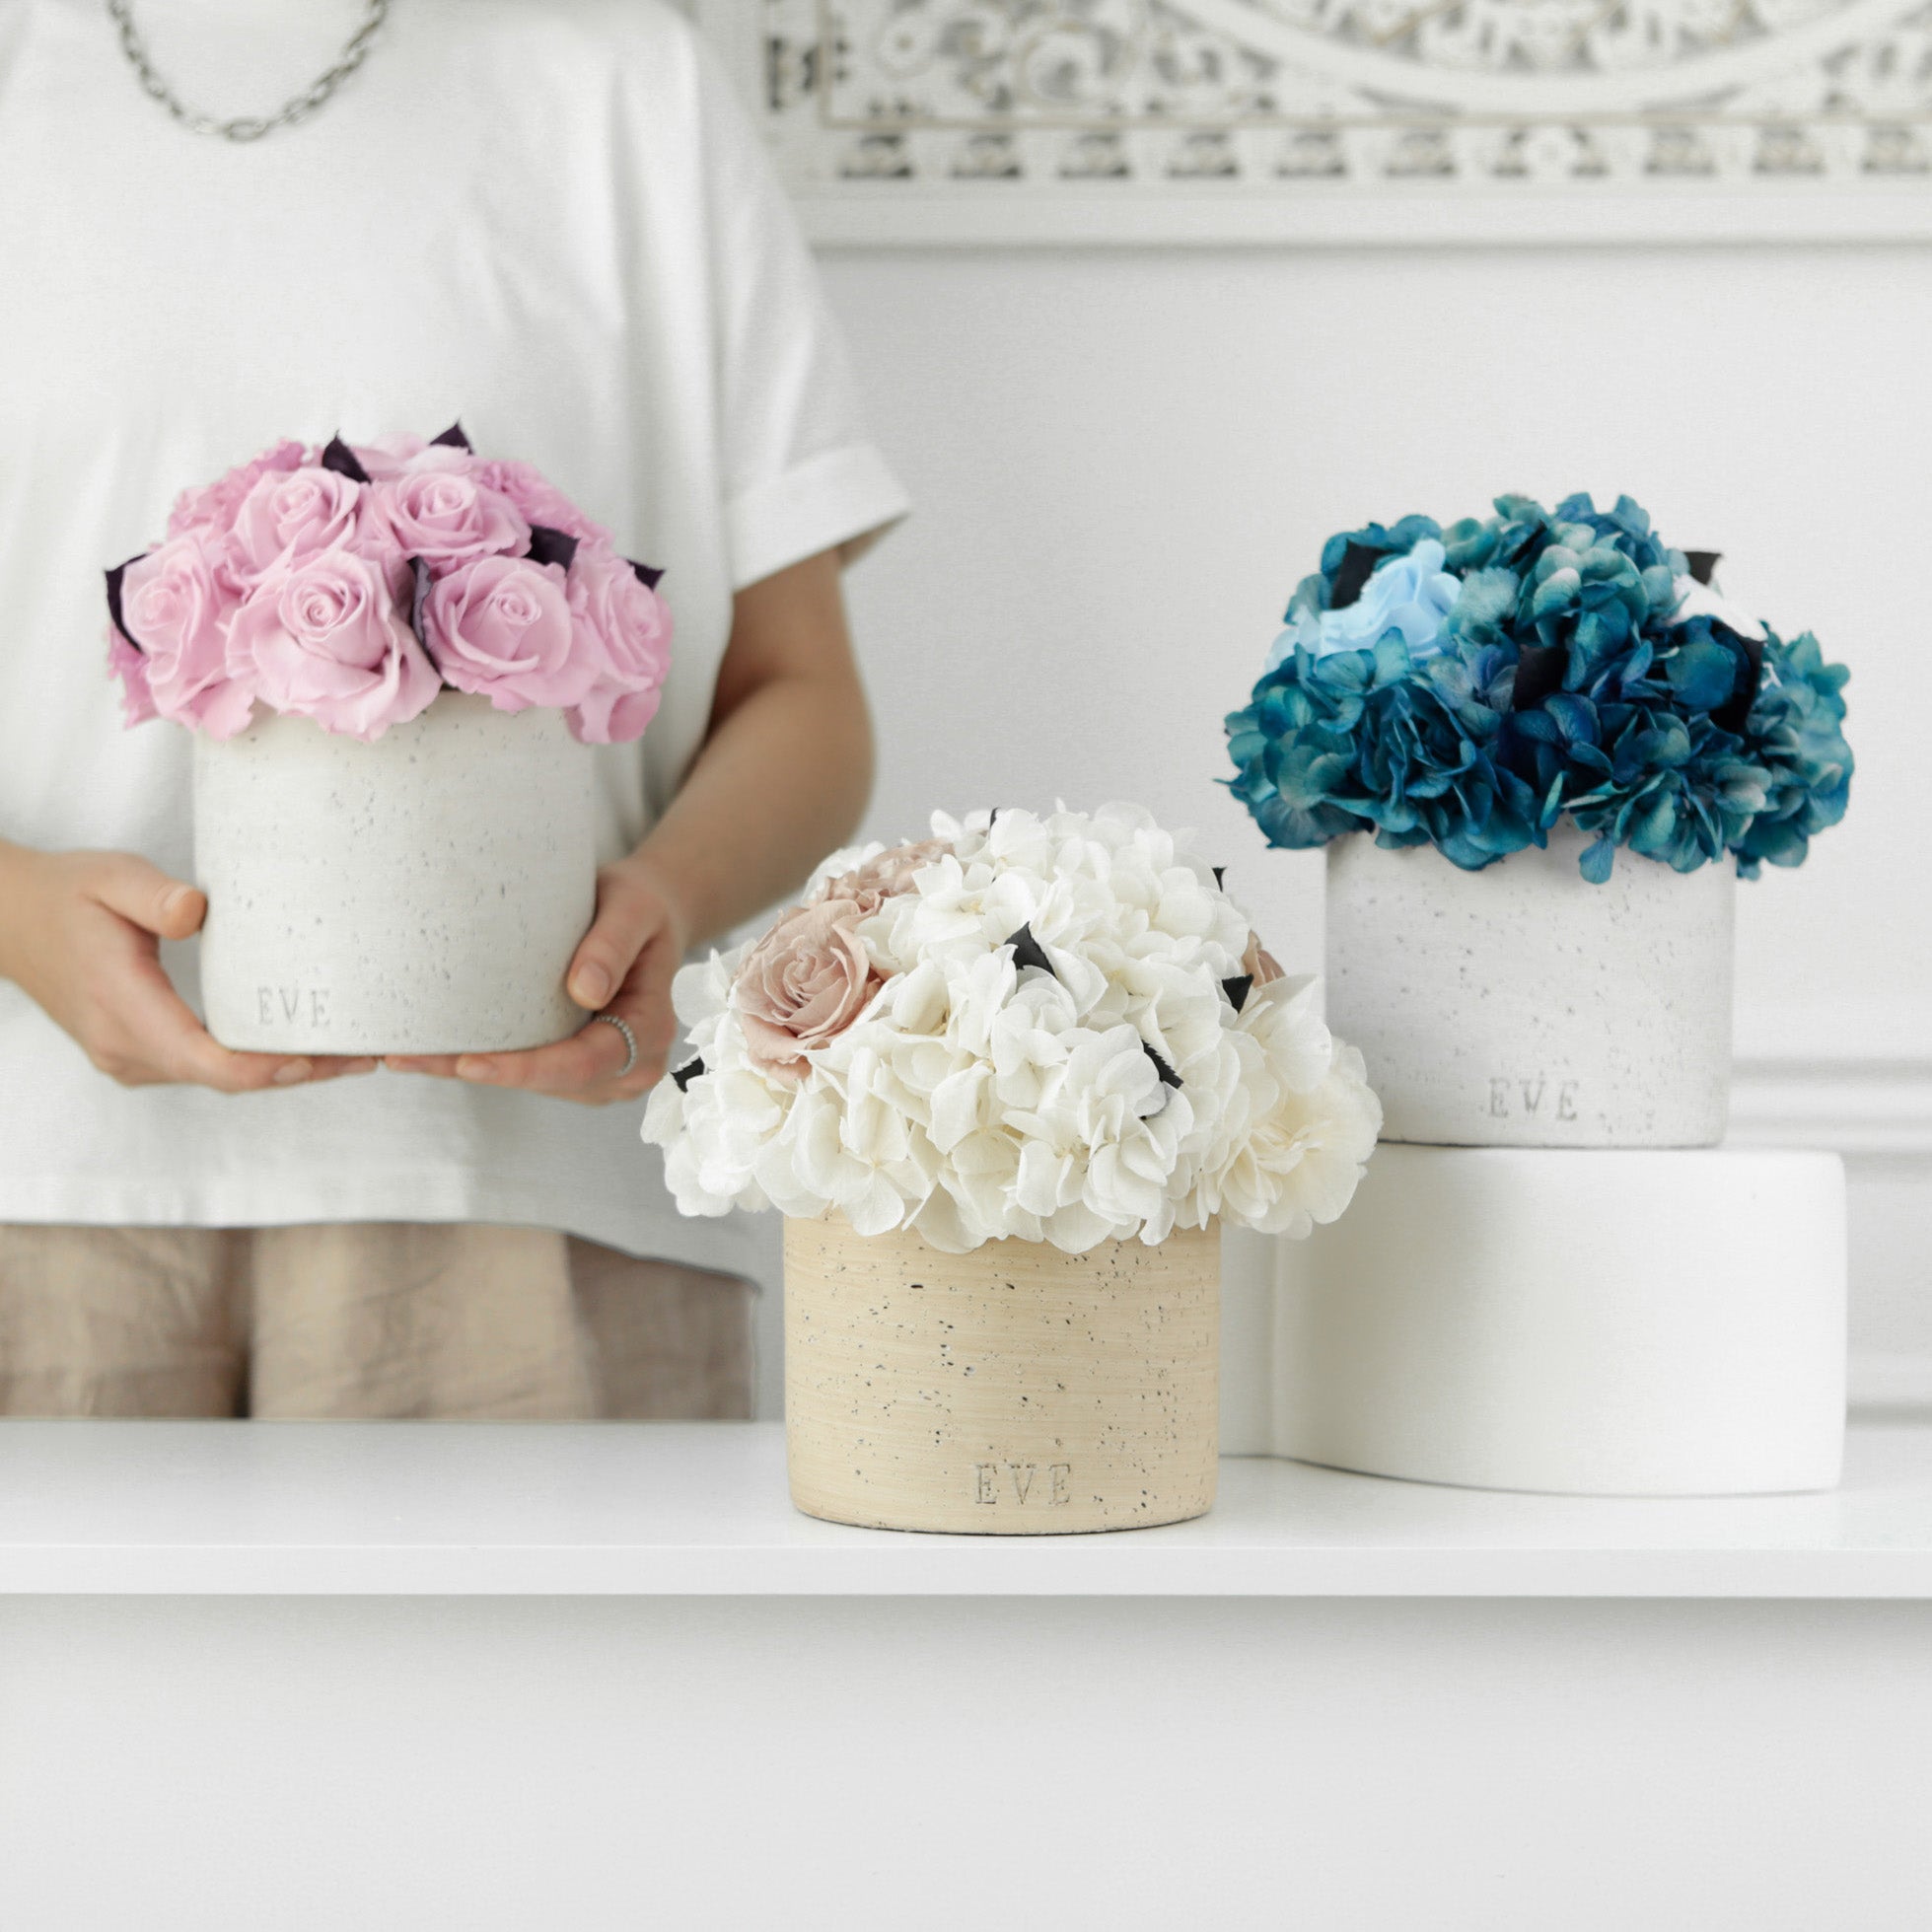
423,893
1521,1006
1014,1390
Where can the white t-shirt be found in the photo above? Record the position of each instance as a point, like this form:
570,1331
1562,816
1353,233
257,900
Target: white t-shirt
548,218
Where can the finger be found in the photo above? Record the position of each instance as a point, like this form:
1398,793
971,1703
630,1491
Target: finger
593,1054
502,1069
145,896
627,917
167,1036
442,1065
646,1003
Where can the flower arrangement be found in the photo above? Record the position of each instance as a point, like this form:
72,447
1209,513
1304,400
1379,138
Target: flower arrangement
1050,1028
1467,687
351,585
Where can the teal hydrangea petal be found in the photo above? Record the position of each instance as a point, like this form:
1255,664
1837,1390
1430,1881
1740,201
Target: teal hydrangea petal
1427,747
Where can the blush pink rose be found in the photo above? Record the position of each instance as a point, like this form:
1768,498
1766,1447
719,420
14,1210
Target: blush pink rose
402,455
1259,964
125,662
538,501
289,517
178,613
886,874
502,627
325,640
624,627
802,985
210,509
446,517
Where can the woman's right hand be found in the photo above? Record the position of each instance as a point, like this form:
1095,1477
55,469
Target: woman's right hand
80,934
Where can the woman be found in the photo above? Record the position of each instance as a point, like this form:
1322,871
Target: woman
549,218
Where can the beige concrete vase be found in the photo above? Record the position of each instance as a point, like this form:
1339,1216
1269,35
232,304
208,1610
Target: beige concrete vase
1015,1390
423,893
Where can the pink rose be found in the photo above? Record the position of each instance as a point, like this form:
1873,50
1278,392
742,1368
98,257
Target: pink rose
1259,964
389,456
125,662
625,629
325,640
802,985
502,627
211,507
177,612
289,517
886,874
538,501
446,517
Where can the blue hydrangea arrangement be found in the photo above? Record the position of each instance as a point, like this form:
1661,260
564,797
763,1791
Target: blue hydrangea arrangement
1467,687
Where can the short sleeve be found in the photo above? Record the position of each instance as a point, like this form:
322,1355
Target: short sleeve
800,473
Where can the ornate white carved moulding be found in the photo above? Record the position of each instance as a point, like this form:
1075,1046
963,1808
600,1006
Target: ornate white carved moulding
1345,121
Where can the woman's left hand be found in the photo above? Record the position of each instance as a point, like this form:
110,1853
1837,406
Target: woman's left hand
624,968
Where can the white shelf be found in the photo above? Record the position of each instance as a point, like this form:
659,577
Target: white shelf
268,1509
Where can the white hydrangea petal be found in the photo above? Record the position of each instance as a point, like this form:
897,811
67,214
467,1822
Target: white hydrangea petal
1077,1227
876,1208
664,1114
703,988
945,1227
1045,1182
959,1104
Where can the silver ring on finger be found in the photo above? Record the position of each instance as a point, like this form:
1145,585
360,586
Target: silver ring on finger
630,1041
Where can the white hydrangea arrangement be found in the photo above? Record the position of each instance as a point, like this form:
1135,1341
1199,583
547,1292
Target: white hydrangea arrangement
1052,1029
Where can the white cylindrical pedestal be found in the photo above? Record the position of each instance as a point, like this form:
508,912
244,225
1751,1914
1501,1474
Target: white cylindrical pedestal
1521,1006
1586,1323
424,894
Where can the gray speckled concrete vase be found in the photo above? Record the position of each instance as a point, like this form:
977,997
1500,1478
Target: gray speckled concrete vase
1014,1390
1521,1006
423,893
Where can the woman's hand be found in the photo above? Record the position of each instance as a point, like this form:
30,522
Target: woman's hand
623,966
80,934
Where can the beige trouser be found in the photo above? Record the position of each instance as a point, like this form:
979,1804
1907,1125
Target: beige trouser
362,1320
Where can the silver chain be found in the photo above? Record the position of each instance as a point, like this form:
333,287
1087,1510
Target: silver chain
246,128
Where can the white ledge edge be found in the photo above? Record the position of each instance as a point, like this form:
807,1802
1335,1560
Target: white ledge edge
545,1572
699,1510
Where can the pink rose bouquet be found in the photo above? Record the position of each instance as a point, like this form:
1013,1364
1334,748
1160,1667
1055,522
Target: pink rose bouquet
351,583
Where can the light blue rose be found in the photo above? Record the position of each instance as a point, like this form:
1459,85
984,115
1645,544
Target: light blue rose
1411,595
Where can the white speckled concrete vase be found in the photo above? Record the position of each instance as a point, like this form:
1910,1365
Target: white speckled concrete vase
1015,1390
1521,1006
423,893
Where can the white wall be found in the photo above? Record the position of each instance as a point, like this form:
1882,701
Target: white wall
1123,461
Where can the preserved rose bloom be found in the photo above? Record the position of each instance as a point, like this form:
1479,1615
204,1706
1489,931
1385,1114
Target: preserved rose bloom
290,516
502,628
177,612
446,517
623,628
801,987
325,640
